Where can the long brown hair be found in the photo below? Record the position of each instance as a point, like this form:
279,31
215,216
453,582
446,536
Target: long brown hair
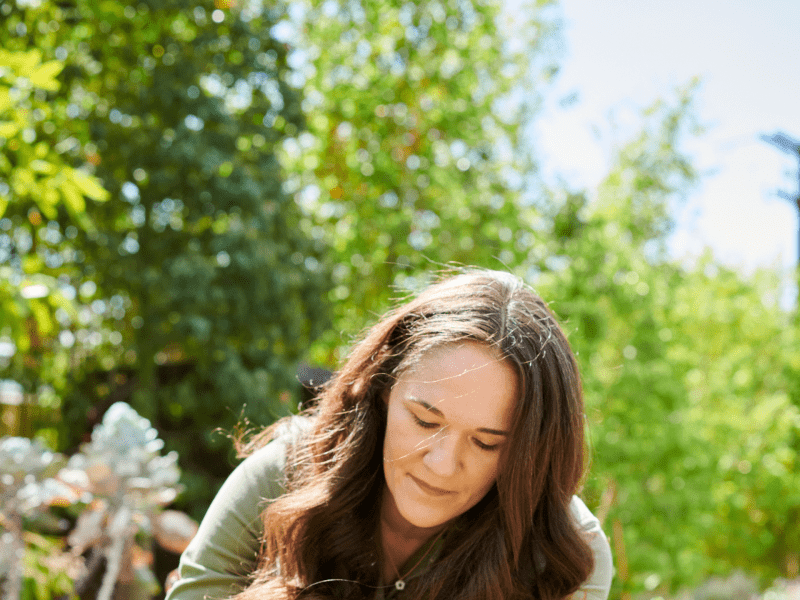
520,541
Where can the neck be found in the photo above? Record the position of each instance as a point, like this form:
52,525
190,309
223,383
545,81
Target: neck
399,538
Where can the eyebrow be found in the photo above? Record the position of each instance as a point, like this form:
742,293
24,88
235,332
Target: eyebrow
438,413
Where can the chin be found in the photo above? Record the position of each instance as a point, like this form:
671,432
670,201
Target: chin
426,520
425,516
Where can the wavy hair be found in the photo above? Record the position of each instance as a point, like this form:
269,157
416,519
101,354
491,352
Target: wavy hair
520,541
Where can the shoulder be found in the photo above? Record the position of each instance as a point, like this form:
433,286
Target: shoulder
224,551
258,478
583,516
599,583
263,470
288,431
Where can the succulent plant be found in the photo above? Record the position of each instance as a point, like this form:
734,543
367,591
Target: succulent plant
122,463
123,482
24,461
129,481
25,470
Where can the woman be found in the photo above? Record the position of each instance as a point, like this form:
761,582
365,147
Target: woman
440,462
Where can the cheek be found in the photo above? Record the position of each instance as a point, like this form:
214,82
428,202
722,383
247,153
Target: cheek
398,441
486,477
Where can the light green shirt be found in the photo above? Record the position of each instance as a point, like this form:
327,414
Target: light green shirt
224,552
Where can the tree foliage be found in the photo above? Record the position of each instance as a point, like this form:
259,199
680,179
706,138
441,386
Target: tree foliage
203,240
685,371
412,156
40,180
197,261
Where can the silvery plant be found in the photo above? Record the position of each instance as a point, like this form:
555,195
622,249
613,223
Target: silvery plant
124,482
26,487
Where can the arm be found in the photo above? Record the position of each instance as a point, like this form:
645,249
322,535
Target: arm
223,554
599,582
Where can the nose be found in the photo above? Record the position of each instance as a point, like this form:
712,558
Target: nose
443,455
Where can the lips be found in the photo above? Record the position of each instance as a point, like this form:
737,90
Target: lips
429,489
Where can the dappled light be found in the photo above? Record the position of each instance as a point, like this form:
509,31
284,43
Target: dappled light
198,202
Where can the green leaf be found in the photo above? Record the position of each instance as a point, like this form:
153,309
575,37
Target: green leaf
73,197
32,263
42,166
42,315
89,186
44,75
8,129
5,99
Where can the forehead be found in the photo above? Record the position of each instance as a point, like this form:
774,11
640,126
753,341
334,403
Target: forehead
467,382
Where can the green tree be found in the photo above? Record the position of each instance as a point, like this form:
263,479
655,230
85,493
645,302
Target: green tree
736,345
197,268
207,246
610,284
39,185
412,157
685,374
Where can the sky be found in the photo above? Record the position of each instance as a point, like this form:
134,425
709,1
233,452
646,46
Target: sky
622,55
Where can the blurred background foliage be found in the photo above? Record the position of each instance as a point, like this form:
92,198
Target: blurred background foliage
197,199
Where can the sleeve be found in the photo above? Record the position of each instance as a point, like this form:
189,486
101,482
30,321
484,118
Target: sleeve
224,552
599,583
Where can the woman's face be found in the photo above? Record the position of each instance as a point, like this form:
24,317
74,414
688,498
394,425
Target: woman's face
448,420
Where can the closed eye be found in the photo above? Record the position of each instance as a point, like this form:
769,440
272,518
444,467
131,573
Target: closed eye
478,443
424,424
487,447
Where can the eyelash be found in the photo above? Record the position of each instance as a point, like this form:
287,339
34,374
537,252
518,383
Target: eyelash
423,424
486,447
478,443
